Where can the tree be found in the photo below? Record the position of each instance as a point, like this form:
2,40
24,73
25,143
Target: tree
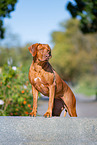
75,54
6,6
87,10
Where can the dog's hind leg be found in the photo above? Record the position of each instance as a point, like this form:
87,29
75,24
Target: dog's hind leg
58,107
70,103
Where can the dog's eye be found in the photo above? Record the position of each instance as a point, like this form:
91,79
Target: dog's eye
41,49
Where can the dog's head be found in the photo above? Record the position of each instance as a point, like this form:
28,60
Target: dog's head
42,52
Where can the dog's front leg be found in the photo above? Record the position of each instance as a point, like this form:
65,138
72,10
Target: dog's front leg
35,97
51,101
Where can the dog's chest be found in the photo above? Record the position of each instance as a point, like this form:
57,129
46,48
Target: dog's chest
41,79
39,82
36,76
38,79
40,76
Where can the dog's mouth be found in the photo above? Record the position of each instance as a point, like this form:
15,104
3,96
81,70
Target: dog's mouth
45,59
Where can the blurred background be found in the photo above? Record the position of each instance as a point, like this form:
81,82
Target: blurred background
69,27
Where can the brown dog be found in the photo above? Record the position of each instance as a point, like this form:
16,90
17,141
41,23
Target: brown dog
44,79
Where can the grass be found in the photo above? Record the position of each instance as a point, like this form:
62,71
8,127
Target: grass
87,91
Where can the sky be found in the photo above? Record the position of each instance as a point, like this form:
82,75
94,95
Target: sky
34,20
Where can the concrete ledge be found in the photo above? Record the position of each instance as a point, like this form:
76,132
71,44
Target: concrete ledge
50,131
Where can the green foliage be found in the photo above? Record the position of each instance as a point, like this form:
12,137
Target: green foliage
87,10
75,54
6,6
15,91
8,55
16,56
87,85
25,58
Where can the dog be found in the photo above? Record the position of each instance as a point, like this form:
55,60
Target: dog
44,79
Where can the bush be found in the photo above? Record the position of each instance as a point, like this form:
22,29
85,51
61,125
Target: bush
15,92
87,85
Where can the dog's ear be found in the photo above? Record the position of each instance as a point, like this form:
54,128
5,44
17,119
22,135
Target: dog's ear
33,49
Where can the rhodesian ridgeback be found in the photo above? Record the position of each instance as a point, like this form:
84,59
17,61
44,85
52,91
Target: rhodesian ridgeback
44,79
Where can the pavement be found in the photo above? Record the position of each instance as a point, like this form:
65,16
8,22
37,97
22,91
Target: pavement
52,131
48,131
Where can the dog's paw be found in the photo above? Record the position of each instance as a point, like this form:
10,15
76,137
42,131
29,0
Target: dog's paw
48,114
33,114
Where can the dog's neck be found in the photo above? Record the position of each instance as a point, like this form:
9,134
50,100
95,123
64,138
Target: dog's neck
43,65
40,64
